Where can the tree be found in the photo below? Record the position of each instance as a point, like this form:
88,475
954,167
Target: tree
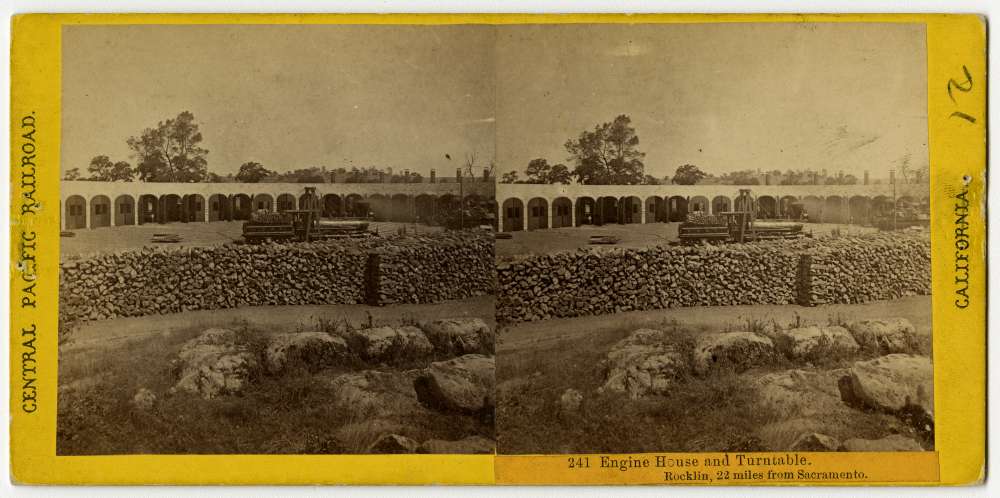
540,171
742,177
102,169
252,172
72,174
688,174
608,155
509,177
171,152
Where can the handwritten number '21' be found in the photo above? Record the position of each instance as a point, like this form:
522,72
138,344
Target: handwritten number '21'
964,87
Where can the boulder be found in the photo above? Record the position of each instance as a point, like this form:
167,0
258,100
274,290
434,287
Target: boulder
570,401
737,350
894,335
894,442
814,441
144,399
465,384
371,393
311,350
391,444
890,383
475,445
213,364
811,343
647,362
387,343
457,336
799,393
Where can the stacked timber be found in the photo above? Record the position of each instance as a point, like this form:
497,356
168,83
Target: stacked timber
151,281
852,269
428,269
860,269
591,282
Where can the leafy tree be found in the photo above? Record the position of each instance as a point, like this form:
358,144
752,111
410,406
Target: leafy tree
540,171
102,169
253,172
688,174
651,180
509,177
72,174
608,155
171,152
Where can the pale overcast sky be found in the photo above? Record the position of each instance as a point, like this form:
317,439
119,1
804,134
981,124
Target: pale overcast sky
724,97
286,96
848,97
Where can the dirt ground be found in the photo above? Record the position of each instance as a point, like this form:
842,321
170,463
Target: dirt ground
113,239
632,236
539,361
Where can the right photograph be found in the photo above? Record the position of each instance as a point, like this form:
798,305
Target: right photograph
713,237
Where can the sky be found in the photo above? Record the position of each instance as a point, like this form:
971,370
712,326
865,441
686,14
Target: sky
285,96
724,97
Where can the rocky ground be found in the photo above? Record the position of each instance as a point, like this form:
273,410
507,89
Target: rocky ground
861,385
404,387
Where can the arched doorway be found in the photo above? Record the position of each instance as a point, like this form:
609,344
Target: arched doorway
100,211
859,210
586,209
242,207
333,206
833,210
699,203
149,209
767,207
170,207
426,207
286,202
513,215
76,212
785,206
378,204
219,208
194,207
656,209
538,214
606,210
630,209
678,208
813,207
562,212
355,206
721,204
124,210
263,202
401,209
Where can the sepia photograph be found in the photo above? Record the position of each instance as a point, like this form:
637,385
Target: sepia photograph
713,238
276,239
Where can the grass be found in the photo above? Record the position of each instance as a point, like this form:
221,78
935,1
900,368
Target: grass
716,412
289,413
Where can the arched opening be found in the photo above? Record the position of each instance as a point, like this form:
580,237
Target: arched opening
308,202
538,214
630,209
194,207
263,202
656,209
785,206
286,202
699,203
171,208
721,204
677,206
333,206
513,215
767,207
148,209
76,212
426,208
219,208
859,210
562,212
124,210
355,206
401,208
100,211
379,205
242,207
606,210
881,206
833,210
813,208
586,208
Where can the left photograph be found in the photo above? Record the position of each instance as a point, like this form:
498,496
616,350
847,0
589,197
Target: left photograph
277,240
